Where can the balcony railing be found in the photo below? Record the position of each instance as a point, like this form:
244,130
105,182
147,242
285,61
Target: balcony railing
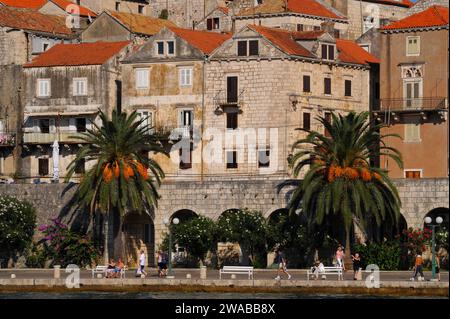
7,139
49,138
223,99
412,104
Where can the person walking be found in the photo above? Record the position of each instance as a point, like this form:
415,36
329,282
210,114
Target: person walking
162,264
356,266
142,263
340,257
281,261
418,268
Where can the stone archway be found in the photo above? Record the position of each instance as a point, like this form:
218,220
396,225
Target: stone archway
183,215
439,212
139,234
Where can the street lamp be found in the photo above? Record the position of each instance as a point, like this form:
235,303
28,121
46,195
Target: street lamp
428,221
175,221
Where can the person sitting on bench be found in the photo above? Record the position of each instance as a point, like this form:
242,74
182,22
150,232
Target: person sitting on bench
317,269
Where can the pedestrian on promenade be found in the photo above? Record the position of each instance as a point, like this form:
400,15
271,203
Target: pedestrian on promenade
110,269
142,263
340,257
162,264
356,266
418,268
282,264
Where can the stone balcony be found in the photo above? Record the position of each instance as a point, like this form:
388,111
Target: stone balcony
49,138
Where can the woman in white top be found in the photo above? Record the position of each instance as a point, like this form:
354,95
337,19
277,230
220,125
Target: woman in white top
142,262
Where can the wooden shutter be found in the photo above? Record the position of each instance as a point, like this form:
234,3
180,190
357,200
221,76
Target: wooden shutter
232,120
306,83
331,52
299,27
328,119
232,89
254,47
324,51
348,88
209,24
43,166
242,48
327,85
306,120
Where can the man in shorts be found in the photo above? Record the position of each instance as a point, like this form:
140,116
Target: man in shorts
281,261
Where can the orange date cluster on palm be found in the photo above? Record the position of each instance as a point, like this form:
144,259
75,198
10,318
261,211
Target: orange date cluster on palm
351,173
111,170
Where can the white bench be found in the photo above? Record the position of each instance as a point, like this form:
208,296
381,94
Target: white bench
238,270
104,270
327,271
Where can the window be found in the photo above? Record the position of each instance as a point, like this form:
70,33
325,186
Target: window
186,157
327,51
412,46
160,47
146,117
79,86
232,121
336,33
187,117
300,27
412,133
141,9
242,48
316,28
327,86
170,47
365,47
410,173
264,158
306,121
44,125
45,46
80,167
142,78
254,47
186,77
306,83
328,119
117,6
232,159
348,88
213,23
80,124
43,87
43,166
232,89
412,90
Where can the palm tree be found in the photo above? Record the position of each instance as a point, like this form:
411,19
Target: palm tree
118,181
340,181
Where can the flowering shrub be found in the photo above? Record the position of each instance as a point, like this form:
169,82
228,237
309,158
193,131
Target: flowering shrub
65,247
416,239
17,221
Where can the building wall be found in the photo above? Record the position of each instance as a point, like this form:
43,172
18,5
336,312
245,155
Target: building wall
125,6
424,4
225,22
105,28
13,46
433,60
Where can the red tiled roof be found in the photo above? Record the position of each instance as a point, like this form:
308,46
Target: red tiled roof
95,53
283,39
26,4
401,3
307,7
203,40
63,4
434,16
140,24
307,35
33,21
351,52
224,9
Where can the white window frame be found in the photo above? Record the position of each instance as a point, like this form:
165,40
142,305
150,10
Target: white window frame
407,45
420,170
39,93
328,51
146,79
167,46
75,87
407,81
151,116
181,119
410,139
157,48
183,76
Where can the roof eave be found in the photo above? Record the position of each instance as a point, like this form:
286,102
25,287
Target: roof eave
414,29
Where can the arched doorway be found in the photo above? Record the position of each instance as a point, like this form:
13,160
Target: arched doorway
139,234
183,215
439,212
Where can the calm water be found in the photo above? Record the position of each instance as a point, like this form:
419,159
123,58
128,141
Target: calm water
192,295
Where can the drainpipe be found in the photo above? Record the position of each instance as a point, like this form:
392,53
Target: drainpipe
202,128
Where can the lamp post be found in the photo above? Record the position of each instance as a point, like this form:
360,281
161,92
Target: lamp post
175,221
428,221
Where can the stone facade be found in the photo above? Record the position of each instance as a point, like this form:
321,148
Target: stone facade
421,5
218,20
130,6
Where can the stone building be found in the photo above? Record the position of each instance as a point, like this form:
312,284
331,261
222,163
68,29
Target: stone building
218,20
294,15
77,16
421,5
128,6
65,87
24,34
414,92
120,26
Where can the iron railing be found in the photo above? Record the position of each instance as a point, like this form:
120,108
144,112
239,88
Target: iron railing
411,104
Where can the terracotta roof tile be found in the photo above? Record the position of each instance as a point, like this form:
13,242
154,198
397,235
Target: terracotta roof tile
140,24
63,4
79,54
26,4
203,40
225,10
33,21
434,16
307,7
283,39
351,52
401,3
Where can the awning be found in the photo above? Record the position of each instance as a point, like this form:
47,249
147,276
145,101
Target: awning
56,114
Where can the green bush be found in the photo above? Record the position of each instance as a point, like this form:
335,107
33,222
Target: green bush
386,255
17,222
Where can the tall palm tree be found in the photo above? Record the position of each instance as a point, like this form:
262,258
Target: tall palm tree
340,181
118,180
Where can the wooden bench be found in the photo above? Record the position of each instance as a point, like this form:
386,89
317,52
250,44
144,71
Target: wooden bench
237,270
327,271
104,270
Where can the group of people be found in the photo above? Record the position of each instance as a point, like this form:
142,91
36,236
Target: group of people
162,264
114,269
418,268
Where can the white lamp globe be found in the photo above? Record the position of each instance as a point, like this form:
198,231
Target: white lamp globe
428,220
175,221
439,220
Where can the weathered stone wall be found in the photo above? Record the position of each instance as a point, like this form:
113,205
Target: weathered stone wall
424,4
13,46
212,198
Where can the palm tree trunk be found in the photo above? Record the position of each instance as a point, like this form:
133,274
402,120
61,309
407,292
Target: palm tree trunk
106,239
347,258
